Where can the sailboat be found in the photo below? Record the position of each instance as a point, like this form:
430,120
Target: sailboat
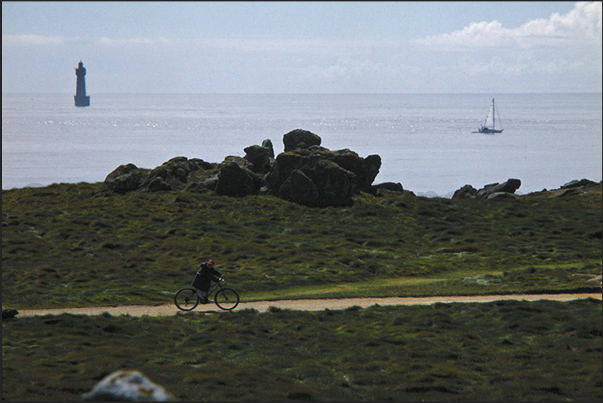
489,125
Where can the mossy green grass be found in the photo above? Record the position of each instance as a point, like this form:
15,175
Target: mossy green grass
81,245
497,351
73,245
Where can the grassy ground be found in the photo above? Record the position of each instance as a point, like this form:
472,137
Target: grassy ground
507,350
70,245
79,245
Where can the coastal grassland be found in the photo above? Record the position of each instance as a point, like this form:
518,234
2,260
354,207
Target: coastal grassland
81,245
505,351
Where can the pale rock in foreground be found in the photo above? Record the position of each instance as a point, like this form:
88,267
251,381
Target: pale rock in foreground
127,386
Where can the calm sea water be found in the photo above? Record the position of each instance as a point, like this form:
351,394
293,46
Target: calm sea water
425,140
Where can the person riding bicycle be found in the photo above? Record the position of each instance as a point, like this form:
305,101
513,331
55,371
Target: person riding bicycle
204,277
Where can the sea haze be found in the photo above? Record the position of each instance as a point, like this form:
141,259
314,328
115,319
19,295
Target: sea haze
425,140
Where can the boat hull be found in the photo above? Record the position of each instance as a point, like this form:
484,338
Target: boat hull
489,131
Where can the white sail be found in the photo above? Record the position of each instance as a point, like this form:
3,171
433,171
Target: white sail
489,125
490,118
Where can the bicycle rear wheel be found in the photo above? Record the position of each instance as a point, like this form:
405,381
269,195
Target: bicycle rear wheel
227,299
186,299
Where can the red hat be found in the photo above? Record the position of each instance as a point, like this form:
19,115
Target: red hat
211,261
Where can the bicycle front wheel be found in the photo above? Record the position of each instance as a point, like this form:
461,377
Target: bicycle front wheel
227,299
186,299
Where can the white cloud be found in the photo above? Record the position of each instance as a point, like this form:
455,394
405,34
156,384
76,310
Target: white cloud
346,68
36,40
133,41
581,25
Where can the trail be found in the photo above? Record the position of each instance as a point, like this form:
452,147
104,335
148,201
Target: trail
302,304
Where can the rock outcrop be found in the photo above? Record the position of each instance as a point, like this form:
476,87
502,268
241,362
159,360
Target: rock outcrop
127,386
124,178
300,139
169,175
304,173
235,179
491,191
577,187
327,178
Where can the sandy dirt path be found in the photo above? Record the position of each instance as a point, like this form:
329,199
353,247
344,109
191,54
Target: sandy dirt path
302,304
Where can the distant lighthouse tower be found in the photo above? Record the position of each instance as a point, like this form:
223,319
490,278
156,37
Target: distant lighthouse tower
80,90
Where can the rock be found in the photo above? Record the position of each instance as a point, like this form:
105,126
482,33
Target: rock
210,183
491,191
260,158
157,184
335,184
172,174
510,186
501,195
300,139
359,171
386,188
465,192
583,183
391,186
366,170
268,144
300,189
327,183
284,164
9,313
127,386
373,165
235,181
322,177
124,178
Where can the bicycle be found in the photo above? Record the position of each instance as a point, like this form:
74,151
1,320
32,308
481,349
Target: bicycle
225,298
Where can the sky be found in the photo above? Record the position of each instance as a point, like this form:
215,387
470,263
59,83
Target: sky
302,47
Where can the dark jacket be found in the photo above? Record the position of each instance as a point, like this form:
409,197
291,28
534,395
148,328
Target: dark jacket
204,276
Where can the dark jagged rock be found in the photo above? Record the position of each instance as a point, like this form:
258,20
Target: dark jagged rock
233,180
373,165
156,184
391,186
510,186
268,144
260,158
322,185
583,183
491,191
465,192
305,173
9,313
300,139
172,174
335,184
299,189
386,188
124,178
361,172
577,187
366,169
501,195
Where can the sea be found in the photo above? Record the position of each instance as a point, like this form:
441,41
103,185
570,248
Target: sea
426,141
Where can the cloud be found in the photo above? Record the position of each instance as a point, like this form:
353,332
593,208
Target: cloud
582,25
104,41
36,40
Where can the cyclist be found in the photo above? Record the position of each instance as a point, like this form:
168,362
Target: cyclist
204,277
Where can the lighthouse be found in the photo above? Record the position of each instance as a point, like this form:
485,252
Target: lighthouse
80,90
